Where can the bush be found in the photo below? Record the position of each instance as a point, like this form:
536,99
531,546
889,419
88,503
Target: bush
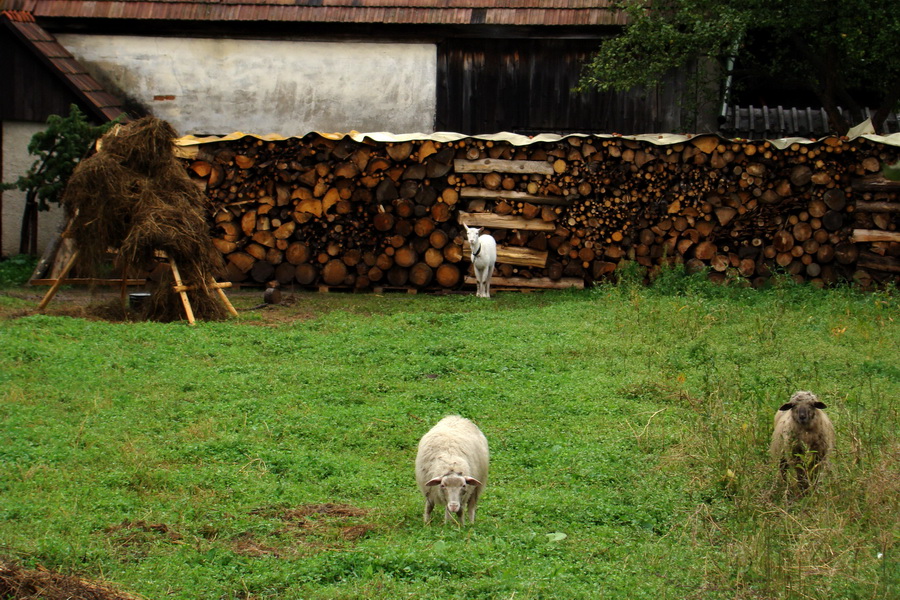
16,270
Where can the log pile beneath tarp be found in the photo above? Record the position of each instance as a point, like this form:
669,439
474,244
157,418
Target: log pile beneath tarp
363,214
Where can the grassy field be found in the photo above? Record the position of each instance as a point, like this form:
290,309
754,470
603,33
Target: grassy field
271,455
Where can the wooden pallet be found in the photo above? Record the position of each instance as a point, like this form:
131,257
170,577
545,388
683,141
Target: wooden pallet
381,289
535,283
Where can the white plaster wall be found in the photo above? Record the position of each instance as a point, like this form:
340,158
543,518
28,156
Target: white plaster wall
16,162
217,86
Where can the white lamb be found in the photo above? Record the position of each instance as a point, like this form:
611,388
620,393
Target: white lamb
452,468
484,255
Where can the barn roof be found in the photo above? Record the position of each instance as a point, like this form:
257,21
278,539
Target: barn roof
407,12
103,105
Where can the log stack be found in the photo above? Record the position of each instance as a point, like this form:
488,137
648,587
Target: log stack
316,211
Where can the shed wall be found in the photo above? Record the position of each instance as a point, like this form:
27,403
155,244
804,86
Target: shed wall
216,86
16,162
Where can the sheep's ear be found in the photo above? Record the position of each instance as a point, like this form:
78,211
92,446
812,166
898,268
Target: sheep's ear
472,481
480,229
787,406
434,481
820,405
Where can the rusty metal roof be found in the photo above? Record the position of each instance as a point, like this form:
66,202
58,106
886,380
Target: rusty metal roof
407,12
63,64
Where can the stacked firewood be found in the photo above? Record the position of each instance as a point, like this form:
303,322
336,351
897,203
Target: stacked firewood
366,214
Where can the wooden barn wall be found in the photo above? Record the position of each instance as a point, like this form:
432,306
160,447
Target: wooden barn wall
526,86
37,93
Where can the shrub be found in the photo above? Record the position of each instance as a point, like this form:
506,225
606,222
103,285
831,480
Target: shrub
16,270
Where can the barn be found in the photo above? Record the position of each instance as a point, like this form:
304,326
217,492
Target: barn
419,70
263,66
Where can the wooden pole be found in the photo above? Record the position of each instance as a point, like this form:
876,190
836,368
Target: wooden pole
224,298
55,287
184,297
124,290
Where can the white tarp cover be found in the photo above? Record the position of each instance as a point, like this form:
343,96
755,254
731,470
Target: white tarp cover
863,130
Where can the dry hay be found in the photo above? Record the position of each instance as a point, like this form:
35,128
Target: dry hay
18,583
327,526
134,195
327,509
133,532
329,520
247,545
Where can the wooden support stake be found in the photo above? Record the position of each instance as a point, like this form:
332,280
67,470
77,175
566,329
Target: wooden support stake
183,293
224,298
214,285
505,222
182,290
59,281
874,235
488,165
878,206
535,283
124,289
88,281
473,192
218,286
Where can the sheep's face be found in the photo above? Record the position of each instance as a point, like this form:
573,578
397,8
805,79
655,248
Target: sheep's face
455,490
803,407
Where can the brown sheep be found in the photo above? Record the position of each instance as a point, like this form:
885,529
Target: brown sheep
803,438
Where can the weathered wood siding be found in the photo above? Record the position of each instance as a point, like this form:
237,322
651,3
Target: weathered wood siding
37,93
526,86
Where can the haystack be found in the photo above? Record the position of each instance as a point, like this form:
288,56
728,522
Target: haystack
135,197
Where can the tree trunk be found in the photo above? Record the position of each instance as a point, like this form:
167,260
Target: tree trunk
28,231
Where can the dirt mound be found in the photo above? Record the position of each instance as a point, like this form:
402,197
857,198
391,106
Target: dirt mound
17,583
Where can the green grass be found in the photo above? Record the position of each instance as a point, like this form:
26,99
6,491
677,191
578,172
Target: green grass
271,455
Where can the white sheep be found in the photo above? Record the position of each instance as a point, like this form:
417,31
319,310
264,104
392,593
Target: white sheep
803,437
452,467
484,255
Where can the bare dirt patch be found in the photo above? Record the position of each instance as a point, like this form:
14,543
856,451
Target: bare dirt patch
105,304
319,527
328,523
130,532
134,540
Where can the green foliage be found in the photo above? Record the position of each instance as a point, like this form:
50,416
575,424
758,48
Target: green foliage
16,270
59,148
664,38
835,48
270,456
891,172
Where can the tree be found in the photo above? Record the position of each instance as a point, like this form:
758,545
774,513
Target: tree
844,52
59,148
